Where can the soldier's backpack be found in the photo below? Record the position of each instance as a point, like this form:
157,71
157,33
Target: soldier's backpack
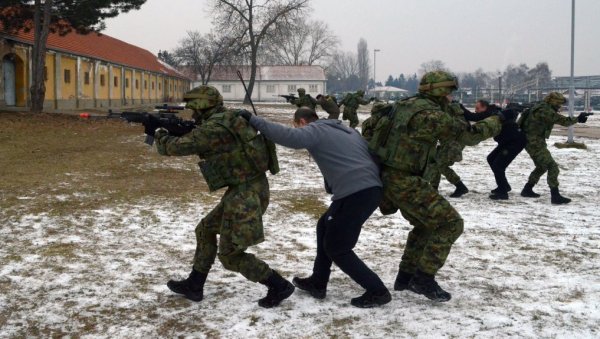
392,127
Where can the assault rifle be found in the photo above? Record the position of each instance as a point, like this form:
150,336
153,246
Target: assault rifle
288,97
169,109
585,114
151,121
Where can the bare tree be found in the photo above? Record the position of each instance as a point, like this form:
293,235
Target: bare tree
432,65
364,64
322,41
202,52
256,18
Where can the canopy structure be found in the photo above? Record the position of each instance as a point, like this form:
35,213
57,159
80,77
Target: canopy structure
388,93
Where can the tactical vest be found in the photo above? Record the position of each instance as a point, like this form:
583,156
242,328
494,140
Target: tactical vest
248,158
530,116
391,142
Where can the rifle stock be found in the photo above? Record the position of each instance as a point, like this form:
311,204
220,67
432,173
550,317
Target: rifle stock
151,121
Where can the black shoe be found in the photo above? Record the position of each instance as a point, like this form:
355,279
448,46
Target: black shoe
499,196
372,299
425,284
556,198
402,280
498,189
528,191
309,285
192,287
461,190
279,290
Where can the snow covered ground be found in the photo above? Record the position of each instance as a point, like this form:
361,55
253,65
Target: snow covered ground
522,268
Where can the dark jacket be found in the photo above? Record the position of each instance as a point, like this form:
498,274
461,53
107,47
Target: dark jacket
510,132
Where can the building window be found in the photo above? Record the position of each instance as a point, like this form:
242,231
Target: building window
313,88
116,81
291,88
86,78
270,88
159,86
102,81
153,85
137,84
126,82
145,84
226,88
67,76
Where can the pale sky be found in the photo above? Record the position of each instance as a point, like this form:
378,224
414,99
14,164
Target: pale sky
464,34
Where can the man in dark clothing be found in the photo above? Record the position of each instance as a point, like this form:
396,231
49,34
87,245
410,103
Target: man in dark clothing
511,141
352,177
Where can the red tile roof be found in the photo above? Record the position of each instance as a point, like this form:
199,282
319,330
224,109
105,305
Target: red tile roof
102,47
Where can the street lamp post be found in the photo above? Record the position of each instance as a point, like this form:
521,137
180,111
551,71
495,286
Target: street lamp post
572,85
374,66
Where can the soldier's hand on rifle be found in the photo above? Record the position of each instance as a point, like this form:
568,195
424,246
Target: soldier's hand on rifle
160,132
582,118
245,114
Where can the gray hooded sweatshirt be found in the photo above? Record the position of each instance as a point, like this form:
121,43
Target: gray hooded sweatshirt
340,152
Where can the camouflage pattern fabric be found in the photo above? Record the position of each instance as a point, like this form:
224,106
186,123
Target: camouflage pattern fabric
305,101
449,152
222,138
238,221
330,106
537,127
351,102
436,224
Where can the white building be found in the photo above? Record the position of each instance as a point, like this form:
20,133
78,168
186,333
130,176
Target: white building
270,82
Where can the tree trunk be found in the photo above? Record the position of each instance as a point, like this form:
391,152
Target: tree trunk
41,31
253,57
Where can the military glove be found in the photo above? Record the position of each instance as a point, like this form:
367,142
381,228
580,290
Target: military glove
160,132
245,114
582,118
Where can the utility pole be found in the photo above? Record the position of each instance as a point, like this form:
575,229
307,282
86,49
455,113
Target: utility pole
374,66
572,85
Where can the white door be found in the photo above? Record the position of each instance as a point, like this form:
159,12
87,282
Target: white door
9,82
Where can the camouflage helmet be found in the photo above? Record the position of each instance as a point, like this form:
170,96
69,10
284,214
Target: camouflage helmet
438,83
360,92
555,99
202,97
301,91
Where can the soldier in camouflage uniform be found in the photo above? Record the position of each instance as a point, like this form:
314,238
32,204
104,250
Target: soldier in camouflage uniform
537,125
304,100
235,156
351,103
405,142
449,152
329,104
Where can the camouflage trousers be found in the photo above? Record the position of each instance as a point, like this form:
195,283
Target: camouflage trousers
238,221
350,115
539,153
436,224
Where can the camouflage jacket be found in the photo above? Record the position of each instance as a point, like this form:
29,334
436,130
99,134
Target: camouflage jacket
427,124
450,150
539,121
328,104
232,151
352,100
305,101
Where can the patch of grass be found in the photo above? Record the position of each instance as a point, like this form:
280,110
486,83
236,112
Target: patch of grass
59,250
304,203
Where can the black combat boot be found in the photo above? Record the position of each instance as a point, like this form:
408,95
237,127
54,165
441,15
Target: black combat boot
499,195
316,289
402,280
556,198
372,299
192,287
528,191
279,289
425,284
461,189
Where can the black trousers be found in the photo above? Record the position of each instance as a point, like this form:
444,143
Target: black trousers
501,157
338,230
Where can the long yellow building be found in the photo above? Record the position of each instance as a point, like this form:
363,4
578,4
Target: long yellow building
87,71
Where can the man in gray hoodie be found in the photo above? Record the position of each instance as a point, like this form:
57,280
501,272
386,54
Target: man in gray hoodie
352,177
